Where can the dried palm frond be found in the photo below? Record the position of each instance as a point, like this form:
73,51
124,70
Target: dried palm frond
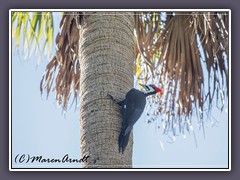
177,52
64,66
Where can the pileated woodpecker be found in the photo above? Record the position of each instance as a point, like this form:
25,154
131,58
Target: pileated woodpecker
132,107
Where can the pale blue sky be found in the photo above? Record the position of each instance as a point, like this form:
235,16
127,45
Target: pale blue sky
40,128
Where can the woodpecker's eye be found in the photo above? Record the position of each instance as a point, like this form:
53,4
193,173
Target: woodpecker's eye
147,88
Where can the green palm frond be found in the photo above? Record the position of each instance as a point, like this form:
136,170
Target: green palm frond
33,27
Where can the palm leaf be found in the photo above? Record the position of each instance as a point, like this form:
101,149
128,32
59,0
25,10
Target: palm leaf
33,27
185,44
65,63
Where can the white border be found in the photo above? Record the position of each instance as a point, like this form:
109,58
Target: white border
10,90
122,10
229,95
112,10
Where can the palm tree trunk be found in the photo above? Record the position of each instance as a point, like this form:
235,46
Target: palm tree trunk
106,54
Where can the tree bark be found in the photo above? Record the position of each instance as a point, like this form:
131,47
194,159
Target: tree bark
106,55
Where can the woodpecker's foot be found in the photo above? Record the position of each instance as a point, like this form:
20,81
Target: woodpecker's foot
110,96
114,100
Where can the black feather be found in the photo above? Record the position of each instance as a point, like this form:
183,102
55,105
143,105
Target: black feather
132,108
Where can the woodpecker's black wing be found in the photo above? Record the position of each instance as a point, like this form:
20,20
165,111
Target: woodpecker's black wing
132,108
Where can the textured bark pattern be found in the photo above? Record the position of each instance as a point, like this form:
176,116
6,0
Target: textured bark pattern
106,62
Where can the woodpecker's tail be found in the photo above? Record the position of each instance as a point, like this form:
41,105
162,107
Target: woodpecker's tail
123,140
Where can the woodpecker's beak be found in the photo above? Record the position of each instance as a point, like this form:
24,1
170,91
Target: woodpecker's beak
159,91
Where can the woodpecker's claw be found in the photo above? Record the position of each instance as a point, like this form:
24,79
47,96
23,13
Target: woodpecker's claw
114,100
110,96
